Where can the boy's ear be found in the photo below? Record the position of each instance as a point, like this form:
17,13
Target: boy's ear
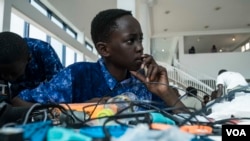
29,57
102,49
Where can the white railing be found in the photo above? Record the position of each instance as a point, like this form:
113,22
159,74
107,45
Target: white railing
208,80
183,79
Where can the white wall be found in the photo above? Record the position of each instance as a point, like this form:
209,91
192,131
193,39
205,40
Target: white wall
211,63
167,55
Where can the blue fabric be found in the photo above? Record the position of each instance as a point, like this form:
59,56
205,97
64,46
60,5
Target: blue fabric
83,81
97,131
43,65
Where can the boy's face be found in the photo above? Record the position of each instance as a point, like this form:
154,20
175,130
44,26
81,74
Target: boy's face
125,45
13,71
206,99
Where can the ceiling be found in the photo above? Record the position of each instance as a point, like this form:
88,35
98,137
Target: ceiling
174,17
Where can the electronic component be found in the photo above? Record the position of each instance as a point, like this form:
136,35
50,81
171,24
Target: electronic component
11,134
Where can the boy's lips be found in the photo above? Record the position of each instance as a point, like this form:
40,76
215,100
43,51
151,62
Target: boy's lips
139,60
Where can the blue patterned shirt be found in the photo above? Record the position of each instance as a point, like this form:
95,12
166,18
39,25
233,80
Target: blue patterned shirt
83,81
42,66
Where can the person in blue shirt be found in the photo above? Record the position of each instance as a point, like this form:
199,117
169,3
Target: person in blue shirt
117,36
25,63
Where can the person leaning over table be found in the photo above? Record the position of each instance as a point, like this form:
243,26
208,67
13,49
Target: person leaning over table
25,63
232,82
117,36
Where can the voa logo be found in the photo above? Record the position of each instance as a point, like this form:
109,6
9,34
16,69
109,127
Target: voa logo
236,132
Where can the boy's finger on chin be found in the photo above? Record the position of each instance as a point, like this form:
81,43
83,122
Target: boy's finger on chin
138,75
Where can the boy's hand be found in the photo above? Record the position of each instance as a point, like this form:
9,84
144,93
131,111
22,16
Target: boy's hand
155,76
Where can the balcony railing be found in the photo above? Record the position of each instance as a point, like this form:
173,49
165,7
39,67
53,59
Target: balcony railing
183,79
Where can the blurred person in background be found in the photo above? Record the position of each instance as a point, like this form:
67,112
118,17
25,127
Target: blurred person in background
24,64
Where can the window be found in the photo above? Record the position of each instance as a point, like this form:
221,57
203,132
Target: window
57,21
88,46
17,24
247,46
71,32
37,33
58,47
70,56
242,48
53,17
67,55
39,7
79,57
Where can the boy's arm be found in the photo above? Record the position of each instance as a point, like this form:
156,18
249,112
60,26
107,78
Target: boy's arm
16,101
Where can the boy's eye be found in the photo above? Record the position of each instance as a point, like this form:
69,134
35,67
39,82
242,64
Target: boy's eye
141,39
130,41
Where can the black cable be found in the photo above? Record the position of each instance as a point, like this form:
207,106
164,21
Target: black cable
115,90
130,106
188,93
144,114
73,114
165,111
124,85
127,85
17,114
159,83
134,103
121,116
97,103
131,103
142,104
85,121
204,109
193,110
141,71
48,106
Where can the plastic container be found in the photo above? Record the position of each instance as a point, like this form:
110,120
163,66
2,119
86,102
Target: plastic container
123,101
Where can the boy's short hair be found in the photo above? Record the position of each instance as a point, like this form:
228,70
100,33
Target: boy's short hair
191,91
205,96
12,47
104,23
221,71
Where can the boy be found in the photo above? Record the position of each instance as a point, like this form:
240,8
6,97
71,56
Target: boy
117,36
25,62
